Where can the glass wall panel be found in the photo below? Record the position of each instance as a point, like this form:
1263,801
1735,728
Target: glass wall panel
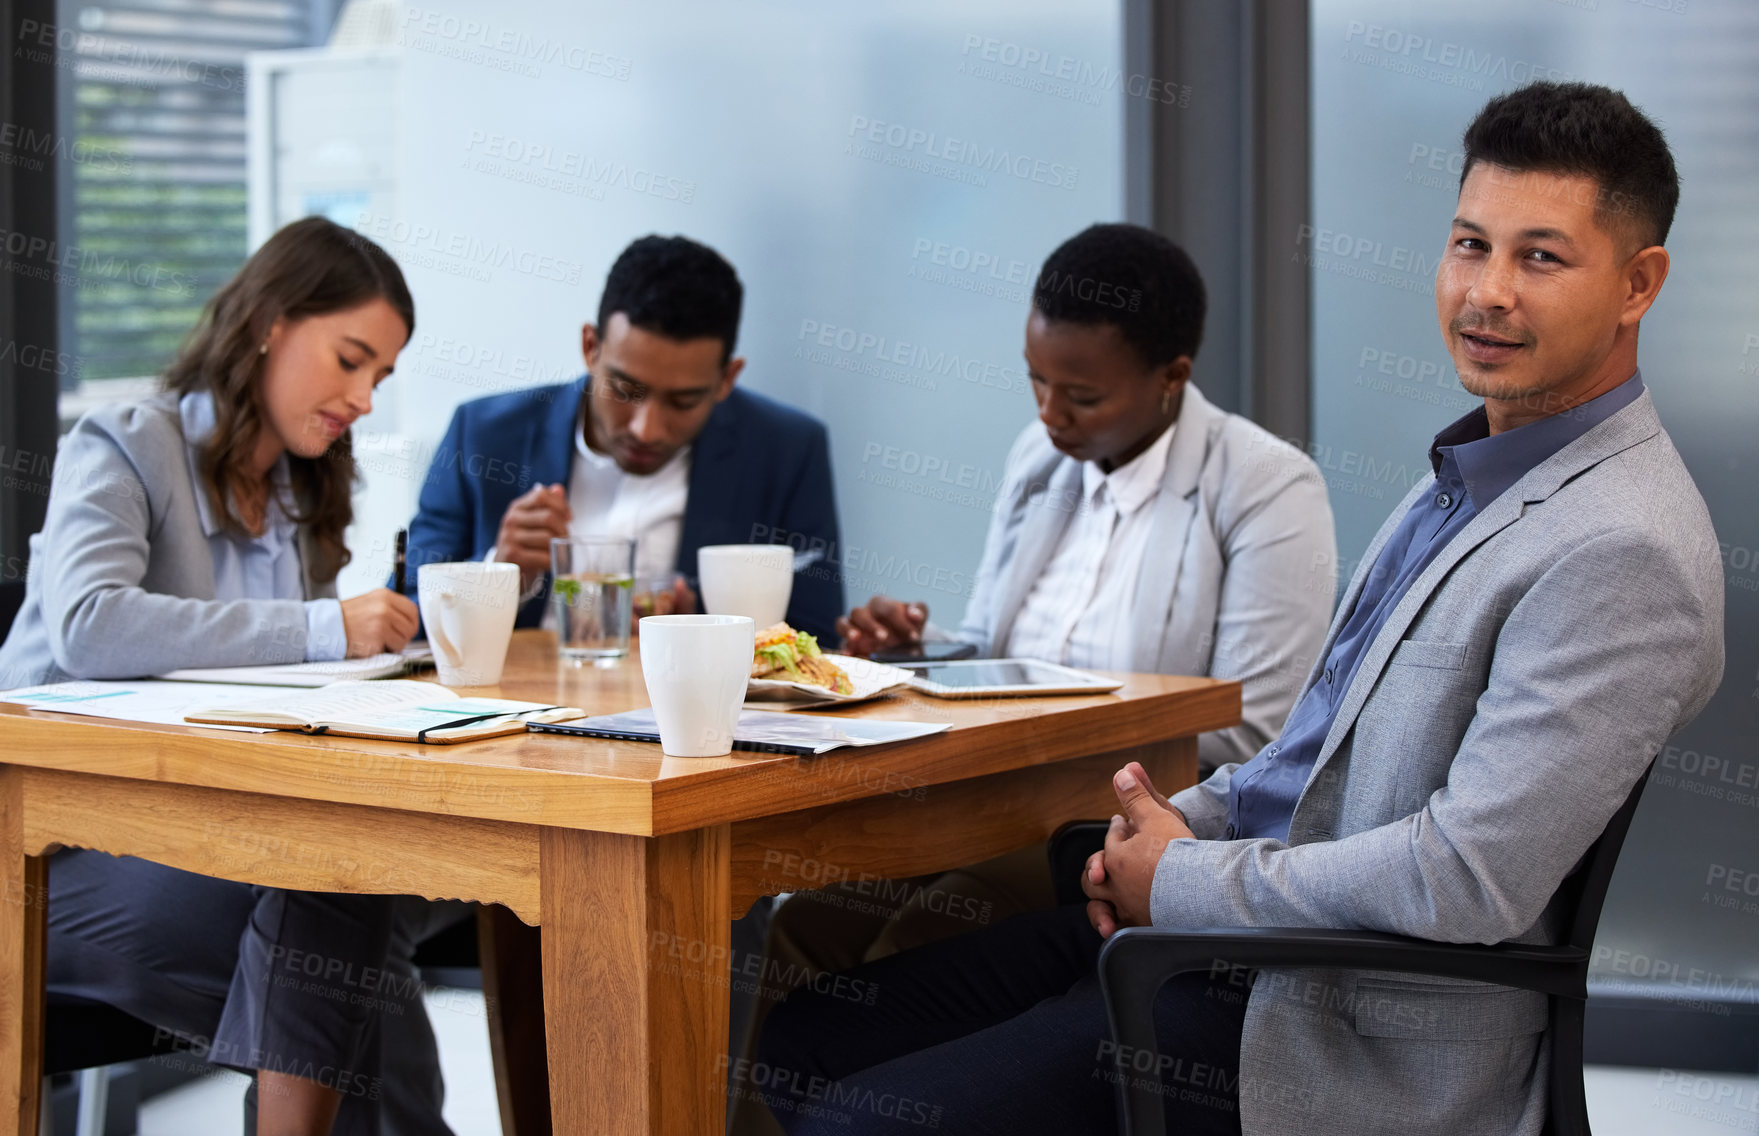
885,178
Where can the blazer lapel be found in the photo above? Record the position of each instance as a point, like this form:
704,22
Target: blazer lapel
1047,519
1628,427
1175,506
1503,512
552,452
714,475
551,446
1359,579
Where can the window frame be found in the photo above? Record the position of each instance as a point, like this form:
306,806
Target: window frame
29,307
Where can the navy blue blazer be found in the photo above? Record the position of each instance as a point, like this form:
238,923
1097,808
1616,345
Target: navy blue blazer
760,473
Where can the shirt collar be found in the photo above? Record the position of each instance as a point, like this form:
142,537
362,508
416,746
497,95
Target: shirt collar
585,452
1489,464
1134,483
196,409
605,462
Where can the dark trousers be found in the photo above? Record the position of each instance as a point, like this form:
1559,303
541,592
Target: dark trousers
250,977
1001,1030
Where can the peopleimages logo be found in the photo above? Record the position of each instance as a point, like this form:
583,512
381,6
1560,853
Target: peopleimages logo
45,259
969,270
979,262
571,171
931,361
1426,57
468,255
33,358
1064,76
960,153
29,146
509,49
116,59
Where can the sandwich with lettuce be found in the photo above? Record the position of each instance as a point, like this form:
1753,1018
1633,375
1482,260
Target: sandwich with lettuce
787,655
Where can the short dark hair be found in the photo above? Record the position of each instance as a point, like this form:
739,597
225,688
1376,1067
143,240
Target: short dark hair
677,288
1131,278
1588,131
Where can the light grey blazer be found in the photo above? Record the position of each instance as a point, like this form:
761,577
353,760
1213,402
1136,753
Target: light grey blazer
121,579
1240,575
1497,722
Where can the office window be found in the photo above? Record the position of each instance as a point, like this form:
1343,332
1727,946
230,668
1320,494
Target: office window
153,201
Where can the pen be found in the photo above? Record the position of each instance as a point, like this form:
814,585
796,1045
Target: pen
399,570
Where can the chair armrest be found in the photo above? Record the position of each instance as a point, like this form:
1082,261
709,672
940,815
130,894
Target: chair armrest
1069,848
1137,962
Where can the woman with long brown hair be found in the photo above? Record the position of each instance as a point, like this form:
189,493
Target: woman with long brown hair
203,527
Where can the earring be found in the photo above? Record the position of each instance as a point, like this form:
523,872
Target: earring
263,350
1166,401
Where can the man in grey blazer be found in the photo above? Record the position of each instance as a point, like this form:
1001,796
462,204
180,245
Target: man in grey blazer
1524,634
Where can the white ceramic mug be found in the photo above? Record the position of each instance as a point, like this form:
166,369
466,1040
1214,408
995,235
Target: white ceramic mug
468,609
753,580
696,667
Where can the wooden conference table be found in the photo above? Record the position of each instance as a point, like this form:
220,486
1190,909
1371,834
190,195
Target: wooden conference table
633,863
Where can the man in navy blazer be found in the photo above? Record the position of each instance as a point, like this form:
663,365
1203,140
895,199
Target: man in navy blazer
654,442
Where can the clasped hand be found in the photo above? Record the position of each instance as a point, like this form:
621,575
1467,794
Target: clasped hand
1119,879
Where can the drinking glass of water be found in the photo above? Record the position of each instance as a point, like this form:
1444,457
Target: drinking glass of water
592,582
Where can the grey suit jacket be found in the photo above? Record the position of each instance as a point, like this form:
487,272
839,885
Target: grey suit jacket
1498,720
1240,577
121,580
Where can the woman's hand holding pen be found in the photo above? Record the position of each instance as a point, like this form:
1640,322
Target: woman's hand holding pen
378,621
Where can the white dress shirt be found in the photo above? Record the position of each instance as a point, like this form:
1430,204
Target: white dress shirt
1079,609
646,508
266,566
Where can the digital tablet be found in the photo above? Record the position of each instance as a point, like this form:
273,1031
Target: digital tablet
990,678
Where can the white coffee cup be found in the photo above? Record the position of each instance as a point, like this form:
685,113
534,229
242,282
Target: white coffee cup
468,609
696,667
753,580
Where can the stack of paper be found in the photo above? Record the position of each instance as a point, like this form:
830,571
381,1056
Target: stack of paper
388,665
141,700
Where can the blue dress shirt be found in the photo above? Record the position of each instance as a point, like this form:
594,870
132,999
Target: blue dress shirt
1472,468
265,567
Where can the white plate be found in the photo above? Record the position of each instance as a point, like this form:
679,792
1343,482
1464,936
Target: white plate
870,680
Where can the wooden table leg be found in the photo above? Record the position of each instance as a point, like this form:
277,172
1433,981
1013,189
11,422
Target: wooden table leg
513,992
637,941
24,911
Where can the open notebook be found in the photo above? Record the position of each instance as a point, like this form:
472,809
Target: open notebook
398,710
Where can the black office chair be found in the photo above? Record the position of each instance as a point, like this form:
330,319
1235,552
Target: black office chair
1137,961
1070,847
11,599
